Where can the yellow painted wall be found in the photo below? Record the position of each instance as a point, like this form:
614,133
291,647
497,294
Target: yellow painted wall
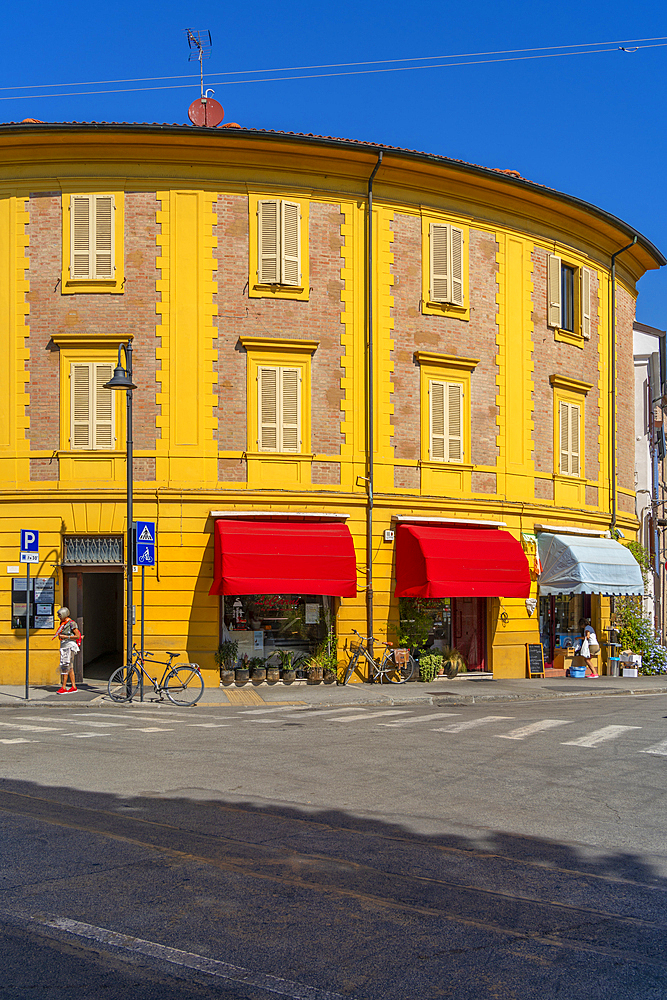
180,613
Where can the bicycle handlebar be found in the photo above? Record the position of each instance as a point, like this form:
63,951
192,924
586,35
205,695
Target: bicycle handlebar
370,638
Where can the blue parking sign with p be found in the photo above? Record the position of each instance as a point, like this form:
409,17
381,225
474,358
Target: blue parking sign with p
145,544
29,540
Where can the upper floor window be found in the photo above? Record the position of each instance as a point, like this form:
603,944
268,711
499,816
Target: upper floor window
569,422
279,399
93,243
569,292
446,264
279,243
446,421
92,422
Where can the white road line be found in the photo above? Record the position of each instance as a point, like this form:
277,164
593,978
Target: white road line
86,736
31,729
19,739
151,729
313,715
281,708
189,960
419,718
100,725
659,749
458,727
532,729
599,736
207,725
372,715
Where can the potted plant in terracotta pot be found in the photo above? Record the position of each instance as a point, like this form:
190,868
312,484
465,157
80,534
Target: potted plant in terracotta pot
225,657
257,667
272,670
289,660
243,671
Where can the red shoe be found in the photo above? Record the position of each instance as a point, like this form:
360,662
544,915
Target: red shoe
71,691
62,690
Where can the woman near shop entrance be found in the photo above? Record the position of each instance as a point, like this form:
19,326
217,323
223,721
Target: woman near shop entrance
589,648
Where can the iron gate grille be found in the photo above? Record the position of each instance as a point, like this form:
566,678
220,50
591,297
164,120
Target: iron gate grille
81,550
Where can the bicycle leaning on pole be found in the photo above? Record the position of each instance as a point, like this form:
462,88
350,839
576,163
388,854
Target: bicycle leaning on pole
182,684
395,667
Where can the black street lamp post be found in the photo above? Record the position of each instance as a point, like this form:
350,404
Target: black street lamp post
122,379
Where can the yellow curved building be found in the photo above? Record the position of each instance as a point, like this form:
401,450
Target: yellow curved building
469,314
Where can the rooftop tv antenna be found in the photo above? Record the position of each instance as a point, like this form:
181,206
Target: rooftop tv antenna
200,48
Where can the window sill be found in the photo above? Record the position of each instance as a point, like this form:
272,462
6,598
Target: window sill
304,456
562,477
258,291
429,308
569,337
442,464
109,286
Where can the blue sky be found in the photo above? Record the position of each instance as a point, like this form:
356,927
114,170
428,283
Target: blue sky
590,125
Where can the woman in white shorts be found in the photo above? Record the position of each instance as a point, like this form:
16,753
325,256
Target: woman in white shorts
70,643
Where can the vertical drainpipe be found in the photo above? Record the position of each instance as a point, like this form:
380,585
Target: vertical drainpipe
612,387
370,377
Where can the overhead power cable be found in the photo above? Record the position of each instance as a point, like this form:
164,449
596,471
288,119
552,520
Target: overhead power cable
507,55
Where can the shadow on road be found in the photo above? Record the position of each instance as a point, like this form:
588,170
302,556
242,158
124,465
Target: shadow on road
330,900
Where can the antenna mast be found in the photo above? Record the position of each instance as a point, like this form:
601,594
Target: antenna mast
200,44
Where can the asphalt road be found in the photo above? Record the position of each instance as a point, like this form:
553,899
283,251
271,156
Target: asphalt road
513,850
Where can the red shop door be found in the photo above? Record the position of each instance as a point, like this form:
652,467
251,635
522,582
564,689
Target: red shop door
469,630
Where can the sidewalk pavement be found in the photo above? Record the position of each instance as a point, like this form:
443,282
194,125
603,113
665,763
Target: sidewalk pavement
464,689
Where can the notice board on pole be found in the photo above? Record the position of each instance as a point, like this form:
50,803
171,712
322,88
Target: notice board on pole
535,659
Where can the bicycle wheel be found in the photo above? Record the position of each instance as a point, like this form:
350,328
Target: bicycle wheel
184,685
400,673
124,684
352,665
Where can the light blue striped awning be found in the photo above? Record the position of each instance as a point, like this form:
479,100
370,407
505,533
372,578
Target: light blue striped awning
573,564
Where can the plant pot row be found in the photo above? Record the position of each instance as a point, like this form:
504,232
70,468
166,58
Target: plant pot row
241,675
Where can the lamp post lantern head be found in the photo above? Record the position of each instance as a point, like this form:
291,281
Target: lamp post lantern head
120,380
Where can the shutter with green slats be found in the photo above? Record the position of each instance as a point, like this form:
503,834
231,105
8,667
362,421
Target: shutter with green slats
553,290
81,213
81,409
103,408
439,262
290,233
456,260
267,394
268,243
585,303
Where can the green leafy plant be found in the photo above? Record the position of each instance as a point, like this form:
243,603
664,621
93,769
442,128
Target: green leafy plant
643,558
256,662
226,654
289,659
429,664
415,622
636,632
326,654
453,663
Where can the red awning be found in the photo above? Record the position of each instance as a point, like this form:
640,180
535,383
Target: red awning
279,557
459,562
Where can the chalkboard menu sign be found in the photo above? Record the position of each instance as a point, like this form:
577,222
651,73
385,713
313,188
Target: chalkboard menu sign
535,654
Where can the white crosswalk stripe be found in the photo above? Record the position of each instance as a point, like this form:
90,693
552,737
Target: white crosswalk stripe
86,736
459,727
31,729
535,727
19,739
419,718
658,749
599,736
152,729
372,715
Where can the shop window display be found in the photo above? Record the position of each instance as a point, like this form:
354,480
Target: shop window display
444,624
562,619
268,624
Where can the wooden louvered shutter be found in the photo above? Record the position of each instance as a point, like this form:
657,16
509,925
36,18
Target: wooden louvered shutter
454,422
290,232
268,408
456,261
81,406
81,212
437,391
104,436
103,236
574,440
290,409
564,437
553,290
439,262
268,243
585,303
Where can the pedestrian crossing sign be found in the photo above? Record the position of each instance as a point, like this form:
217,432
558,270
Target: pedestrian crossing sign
144,549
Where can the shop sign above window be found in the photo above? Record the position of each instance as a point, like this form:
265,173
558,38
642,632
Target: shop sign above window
81,550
